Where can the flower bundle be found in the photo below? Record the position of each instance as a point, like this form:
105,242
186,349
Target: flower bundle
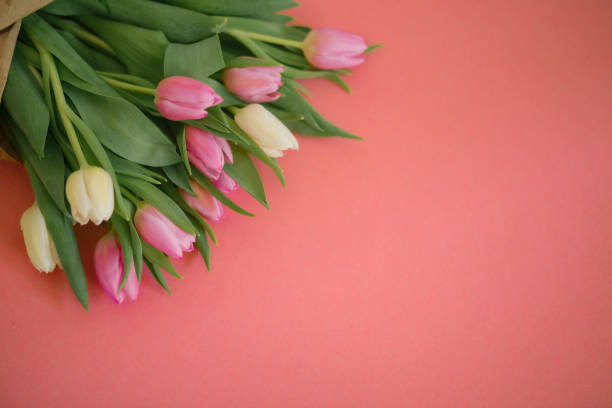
145,115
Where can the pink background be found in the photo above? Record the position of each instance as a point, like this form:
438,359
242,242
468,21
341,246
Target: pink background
459,256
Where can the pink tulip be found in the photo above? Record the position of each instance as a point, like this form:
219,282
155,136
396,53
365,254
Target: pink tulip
254,84
328,48
184,98
205,204
108,263
225,183
158,231
207,152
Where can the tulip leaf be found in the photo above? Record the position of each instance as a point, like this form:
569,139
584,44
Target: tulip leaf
25,103
228,98
136,249
271,28
244,172
234,7
178,24
156,257
154,196
181,141
198,60
157,274
241,62
63,237
178,175
140,49
120,226
212,189
50,169
129,168
124,129
96,59
52,41
285,56
202,245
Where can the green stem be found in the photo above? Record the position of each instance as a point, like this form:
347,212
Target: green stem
56,84
233,109
267,38
130,196
129,87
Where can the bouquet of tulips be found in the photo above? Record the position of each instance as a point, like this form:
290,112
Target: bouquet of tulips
146,116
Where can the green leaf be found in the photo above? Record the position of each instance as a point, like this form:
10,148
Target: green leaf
94,58
178,175
140,49
241,62
178,24
198,60
156,257
129,168
244,172
26,104
120,226
234,7
203,247
210,187
136,249
272,28
285,56
157,274
372,48
228,97
154,196
50,169
51,40
124,129
63,237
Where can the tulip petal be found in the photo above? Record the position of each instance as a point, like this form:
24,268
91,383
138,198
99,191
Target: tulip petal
108,264
76,193
156,233
39,246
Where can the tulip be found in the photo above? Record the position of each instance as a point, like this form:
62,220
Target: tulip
157,230
39,245
225,183
254,84
204,203
328,48
184,98
207,152
108,263
90,194
266,129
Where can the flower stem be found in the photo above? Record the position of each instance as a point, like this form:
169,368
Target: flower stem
129,87
56,84
130,196
267,38
78,31
233,109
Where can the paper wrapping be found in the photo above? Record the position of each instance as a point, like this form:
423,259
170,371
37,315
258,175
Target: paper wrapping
11,13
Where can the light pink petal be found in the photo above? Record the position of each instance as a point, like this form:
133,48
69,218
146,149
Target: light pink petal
156,233
225,148
226,184
336,62
205,204
108,264
185,89
132,286
173,111
204,151
184,239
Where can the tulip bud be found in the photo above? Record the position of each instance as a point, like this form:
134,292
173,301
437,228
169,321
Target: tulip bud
90,194
204,203
254,84
328,48
108,263
157,230
207,152
266,129
39,245
225,183
183,98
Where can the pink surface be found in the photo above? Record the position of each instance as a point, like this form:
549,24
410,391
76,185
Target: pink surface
459,257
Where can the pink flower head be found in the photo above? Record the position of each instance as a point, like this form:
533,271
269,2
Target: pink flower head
328,48
184,98
108,263
207,152
254,84
225,183
158,231
205,204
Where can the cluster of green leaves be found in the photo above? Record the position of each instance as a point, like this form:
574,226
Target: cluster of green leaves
91,46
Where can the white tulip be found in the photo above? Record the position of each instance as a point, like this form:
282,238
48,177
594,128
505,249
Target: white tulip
266,129
39,245
90,194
